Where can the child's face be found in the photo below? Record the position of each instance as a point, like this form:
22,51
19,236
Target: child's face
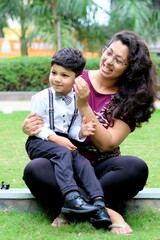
61,79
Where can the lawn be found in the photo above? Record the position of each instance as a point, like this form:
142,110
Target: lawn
14,225
36,226
144,143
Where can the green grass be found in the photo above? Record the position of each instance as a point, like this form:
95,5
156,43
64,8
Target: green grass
13,157
14,225
143,142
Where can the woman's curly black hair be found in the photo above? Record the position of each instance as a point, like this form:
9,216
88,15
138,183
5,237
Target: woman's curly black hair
134,102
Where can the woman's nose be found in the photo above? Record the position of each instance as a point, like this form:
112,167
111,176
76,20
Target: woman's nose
109,60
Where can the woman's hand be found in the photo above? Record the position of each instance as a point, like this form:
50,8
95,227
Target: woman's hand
32,124
82,91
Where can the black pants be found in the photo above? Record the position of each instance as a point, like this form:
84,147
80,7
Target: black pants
70,168
121,177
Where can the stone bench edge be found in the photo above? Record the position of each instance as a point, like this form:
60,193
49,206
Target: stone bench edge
24,193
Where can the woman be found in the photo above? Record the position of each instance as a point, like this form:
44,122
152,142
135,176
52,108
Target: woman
119,96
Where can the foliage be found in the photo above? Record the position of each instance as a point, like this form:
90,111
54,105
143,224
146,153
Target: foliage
21,11
29,73
156,60
93,37
136,15
54,21
24,74
76,23
73,23
92,63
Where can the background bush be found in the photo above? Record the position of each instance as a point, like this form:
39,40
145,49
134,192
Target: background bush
24,73
31,73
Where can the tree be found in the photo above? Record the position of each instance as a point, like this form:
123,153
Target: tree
21,11
3,24
137,15
62,15
60,22
156,4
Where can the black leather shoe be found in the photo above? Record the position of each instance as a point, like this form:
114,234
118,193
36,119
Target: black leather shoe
101,217
73,203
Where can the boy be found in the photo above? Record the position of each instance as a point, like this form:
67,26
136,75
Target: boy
57,106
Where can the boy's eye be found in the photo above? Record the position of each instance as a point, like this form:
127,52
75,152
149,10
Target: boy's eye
53,72
64,75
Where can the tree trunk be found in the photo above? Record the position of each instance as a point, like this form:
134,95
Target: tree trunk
23,41
24,50
56,23
1,32
58,36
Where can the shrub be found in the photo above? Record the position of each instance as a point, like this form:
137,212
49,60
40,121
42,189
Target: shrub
24,73
156,61
31,73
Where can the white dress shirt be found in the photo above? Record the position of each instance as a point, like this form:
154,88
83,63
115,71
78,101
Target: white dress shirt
63,115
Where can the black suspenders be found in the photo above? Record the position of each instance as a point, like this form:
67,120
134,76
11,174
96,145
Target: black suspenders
51,111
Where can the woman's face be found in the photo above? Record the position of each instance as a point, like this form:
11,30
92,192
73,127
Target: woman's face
114,60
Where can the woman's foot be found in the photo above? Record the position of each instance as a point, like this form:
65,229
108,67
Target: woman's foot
61,220
118,226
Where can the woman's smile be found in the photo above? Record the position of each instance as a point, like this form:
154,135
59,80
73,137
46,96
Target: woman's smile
106,68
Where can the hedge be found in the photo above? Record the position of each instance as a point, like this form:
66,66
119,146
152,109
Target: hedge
31,73
24,73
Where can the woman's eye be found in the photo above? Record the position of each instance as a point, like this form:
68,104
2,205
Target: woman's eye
109,53
118,60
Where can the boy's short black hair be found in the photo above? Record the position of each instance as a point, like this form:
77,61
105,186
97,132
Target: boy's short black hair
69,58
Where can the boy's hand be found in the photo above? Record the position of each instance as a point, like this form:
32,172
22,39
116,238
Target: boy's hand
63,141
87,129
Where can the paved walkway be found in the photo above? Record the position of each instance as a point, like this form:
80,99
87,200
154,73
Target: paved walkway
10,106
20,101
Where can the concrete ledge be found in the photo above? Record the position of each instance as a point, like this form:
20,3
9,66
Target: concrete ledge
147,198
16,193
16,96
22,199
18,198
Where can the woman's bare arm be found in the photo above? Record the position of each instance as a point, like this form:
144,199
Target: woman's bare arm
104,139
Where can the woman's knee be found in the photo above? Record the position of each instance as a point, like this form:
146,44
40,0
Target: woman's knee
35,168
136,167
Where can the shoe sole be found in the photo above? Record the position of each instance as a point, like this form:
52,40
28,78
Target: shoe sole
100,223
70,210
